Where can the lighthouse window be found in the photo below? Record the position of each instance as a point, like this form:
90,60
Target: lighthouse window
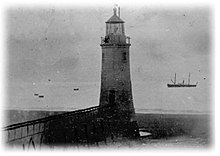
124,56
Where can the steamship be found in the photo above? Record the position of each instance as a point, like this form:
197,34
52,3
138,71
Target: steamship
175,84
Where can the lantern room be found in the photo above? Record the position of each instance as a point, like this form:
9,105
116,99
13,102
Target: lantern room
115,26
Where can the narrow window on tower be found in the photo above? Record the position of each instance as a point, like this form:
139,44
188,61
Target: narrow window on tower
124,57
103,57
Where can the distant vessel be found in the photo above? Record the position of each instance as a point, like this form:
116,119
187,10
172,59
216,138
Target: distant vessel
181,84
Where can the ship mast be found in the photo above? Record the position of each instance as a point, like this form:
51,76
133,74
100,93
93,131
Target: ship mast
175,79
189,79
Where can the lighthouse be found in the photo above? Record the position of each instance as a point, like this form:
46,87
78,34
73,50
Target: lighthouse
116,88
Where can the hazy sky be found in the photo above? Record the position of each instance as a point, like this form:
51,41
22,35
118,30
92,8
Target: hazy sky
51,51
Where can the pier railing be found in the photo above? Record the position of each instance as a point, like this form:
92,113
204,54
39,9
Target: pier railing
85,126
25,132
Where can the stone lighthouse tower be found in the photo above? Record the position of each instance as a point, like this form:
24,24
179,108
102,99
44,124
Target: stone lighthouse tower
116,89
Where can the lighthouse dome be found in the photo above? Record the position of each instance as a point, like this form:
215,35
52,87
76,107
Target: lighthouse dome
114,19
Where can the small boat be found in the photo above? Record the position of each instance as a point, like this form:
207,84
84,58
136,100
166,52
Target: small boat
181,84
76,89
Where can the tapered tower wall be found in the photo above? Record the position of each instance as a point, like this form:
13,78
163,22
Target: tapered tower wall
116,88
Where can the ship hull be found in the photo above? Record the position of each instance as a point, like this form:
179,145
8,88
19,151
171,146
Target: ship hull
180,85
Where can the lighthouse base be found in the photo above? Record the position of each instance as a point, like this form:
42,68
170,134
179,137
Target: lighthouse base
119,123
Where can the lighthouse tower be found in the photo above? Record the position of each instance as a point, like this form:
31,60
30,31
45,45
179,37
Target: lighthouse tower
116,89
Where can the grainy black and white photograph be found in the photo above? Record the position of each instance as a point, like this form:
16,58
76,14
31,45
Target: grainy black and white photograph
84,77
